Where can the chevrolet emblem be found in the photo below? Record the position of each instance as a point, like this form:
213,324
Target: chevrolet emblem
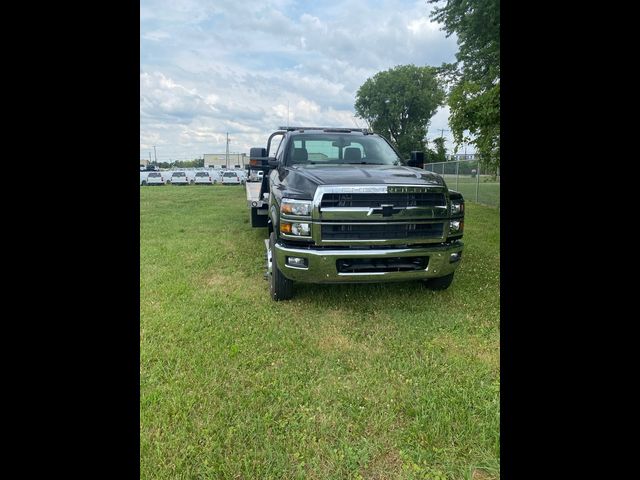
385,210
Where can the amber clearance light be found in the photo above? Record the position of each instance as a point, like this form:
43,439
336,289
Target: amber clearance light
285,227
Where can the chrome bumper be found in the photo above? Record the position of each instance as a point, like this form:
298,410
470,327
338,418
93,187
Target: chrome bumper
322,263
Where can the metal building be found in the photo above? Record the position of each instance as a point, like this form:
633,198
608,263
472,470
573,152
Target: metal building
219,160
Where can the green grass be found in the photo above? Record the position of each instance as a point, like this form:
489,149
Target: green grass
488,188
388,381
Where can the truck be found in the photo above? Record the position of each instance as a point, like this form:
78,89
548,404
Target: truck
255,176
341,205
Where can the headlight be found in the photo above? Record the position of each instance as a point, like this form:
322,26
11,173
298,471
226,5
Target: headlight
301,208
455,226
457,207
298,229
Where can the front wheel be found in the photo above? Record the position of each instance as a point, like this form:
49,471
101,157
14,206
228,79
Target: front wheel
440,283
280,287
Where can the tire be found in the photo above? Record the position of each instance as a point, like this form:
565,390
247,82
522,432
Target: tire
440,283
144,183
191,182
280,287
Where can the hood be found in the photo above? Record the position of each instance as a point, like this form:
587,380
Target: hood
366,175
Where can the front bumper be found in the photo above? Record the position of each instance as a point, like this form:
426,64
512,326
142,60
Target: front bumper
322,266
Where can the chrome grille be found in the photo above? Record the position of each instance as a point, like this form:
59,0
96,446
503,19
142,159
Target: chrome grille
382,232
374,200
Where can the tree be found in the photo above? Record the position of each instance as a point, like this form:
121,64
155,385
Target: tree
474,80
398,104
441,150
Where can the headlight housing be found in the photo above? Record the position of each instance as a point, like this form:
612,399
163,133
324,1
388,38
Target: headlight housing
456,227
295,228
457,207
298,208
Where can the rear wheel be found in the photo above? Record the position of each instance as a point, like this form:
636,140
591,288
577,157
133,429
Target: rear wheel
440,283
280,287
144,183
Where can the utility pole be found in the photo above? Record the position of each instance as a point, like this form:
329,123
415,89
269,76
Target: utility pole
442,130
287,113
155,155
149,158
227,152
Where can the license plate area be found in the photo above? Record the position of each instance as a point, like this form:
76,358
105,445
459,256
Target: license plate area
373,265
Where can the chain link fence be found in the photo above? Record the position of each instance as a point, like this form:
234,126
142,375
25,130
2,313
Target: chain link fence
468,178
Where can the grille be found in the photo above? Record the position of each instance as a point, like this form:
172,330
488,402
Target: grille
427,199
369,265
382,232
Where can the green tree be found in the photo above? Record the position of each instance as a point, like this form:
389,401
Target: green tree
441,150
398,104
474,80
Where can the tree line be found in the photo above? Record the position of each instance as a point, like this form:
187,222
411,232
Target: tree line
195,163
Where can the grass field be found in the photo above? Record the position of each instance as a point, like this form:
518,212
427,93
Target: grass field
385,381
488,189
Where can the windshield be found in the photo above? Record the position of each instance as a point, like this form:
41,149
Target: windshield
202,174
178,174
229,174
154,174
337,149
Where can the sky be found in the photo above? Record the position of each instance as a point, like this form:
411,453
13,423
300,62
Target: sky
247,67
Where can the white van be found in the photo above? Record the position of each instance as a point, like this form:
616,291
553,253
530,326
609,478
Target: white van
179,178
255,176
230,178
153,178
204,178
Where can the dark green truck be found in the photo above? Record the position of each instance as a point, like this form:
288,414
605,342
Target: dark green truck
342,206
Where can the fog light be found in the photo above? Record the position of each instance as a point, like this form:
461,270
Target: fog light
454,257
297,262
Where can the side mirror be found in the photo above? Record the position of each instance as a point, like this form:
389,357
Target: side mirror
257,157
417,159
273,162
257,152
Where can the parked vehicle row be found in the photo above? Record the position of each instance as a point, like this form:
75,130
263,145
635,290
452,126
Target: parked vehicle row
192,177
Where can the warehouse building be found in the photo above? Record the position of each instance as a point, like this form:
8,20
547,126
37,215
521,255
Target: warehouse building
219,160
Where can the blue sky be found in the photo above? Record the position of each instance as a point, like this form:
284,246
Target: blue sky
211,67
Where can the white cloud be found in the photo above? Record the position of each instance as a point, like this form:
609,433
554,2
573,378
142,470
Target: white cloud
208,68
